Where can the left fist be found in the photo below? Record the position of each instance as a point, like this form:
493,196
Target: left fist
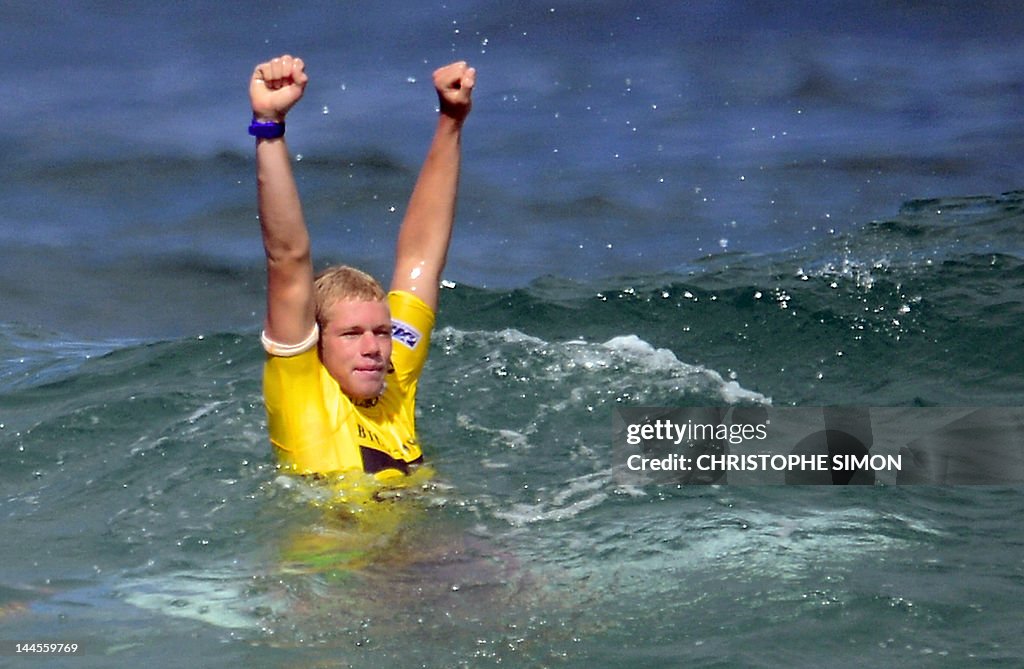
454,84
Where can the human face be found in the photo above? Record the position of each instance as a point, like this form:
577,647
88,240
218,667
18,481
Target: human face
355,346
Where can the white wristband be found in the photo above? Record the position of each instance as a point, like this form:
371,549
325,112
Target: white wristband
290,350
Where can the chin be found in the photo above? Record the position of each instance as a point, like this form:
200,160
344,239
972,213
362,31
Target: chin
364,393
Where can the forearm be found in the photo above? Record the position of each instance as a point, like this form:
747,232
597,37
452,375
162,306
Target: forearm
280,210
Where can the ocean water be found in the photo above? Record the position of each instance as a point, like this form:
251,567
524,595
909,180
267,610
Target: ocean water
662,204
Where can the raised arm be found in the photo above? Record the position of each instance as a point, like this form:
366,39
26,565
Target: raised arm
427,227
274,89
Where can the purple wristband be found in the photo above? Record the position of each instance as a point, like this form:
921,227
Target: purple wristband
266,129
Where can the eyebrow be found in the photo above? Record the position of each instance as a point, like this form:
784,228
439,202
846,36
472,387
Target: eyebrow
383,327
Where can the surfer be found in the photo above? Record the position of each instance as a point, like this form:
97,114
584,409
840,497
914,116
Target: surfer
344,356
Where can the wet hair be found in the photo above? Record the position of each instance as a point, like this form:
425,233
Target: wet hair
344,283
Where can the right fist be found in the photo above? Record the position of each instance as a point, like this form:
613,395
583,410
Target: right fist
276,86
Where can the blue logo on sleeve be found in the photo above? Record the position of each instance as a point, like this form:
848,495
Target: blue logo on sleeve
405,333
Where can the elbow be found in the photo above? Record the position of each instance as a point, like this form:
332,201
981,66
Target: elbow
288,256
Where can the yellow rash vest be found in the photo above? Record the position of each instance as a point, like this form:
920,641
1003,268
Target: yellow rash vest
316,428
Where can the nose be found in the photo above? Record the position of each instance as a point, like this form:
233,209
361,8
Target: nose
369,344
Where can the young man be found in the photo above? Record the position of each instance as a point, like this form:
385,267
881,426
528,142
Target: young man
343,357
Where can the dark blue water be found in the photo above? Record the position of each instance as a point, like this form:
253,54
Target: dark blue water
661,204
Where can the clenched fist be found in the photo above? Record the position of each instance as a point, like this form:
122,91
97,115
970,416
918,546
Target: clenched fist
276,86
454,84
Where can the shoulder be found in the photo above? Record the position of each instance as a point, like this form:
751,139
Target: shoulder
411,319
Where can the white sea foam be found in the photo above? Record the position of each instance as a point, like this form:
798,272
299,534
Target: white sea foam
661,360
579,495
626,358
217,596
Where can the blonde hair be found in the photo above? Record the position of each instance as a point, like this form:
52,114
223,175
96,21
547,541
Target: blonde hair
344,283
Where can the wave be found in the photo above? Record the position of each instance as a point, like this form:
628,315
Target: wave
150,459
